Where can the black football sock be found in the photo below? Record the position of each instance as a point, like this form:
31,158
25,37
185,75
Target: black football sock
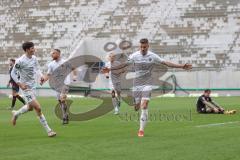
13,101
21,99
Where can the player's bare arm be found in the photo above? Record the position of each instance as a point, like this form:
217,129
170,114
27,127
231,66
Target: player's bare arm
121,66
185,66
217,105
44,79
210,105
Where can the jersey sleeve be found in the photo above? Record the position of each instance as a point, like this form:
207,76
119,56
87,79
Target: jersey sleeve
130,59
15,71
202,99
210,99
50,70
157,59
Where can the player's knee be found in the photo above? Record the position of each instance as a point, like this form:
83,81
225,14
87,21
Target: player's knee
144,107
118,94
30,108
144,104
63,98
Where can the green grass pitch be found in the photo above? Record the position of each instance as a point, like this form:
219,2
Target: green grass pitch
175,132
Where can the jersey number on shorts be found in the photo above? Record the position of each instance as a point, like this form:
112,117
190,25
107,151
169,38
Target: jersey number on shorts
29,97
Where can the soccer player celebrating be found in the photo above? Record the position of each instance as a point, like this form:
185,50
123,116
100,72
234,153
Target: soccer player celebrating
143,62
114,82
62,95
27,67
15,87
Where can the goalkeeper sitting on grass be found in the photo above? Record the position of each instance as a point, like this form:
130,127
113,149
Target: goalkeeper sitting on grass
206,105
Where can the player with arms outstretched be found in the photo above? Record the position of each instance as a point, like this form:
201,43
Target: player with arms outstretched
143,62
27,67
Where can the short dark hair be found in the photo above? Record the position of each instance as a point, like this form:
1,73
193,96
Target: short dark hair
144,41
27,45
12,60
58,50
207,90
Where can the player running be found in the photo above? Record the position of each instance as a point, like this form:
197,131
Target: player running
15,87
143,62
27,67
114,82
61,95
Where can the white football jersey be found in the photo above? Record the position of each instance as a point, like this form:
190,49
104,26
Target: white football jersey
114,76
53,65
27,68
143,65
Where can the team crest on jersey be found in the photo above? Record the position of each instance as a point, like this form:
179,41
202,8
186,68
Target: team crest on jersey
17,66
150,59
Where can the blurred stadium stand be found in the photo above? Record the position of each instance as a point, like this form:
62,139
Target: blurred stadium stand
203,32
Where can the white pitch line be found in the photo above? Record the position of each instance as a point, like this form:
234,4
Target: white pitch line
217,124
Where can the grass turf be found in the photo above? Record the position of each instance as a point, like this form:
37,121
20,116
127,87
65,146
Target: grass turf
175,131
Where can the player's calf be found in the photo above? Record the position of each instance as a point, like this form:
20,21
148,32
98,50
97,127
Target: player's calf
63,106
143,117
42,118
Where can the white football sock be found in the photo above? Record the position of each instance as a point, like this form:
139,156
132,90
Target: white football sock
118,101
116,108
143,119
114,102
22,110
44,123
